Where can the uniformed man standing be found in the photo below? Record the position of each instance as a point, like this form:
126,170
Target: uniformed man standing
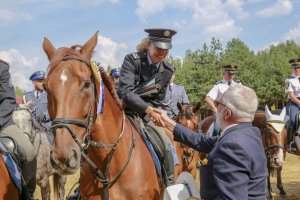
38,96
219,88
148,70
12,137
175,94
293,90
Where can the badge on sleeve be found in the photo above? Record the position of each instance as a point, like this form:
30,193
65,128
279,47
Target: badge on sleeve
287,84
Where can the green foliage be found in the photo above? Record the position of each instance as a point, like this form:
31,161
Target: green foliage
19,92
264,71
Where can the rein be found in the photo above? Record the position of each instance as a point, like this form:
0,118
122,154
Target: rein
88,124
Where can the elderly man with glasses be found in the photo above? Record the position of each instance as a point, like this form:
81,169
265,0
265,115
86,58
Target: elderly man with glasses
237,166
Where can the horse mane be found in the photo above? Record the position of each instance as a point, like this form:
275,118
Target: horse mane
74,51
110,86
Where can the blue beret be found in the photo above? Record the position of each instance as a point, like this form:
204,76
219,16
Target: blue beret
37,75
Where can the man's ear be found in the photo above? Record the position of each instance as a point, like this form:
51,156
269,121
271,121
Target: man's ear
227,113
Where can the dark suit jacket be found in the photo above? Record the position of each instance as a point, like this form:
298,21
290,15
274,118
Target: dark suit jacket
136,71
237,166
7,96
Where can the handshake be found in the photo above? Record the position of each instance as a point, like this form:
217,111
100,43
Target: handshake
160,118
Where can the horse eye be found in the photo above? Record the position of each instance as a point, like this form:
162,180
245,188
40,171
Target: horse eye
86,84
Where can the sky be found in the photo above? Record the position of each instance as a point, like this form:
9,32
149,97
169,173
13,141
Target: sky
121,24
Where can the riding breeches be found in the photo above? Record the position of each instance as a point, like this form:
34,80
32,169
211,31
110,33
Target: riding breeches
24,147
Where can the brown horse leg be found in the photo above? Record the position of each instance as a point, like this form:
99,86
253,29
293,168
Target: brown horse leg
270,187
279,182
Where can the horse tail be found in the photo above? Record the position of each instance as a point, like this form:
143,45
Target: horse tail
56,185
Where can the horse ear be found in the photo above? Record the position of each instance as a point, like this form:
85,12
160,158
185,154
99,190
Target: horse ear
268,113
88,47
283,112
179,106
196,108
48,48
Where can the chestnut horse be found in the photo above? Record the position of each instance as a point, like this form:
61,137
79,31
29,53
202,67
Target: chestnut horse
273,134
188,157
90,125
8,189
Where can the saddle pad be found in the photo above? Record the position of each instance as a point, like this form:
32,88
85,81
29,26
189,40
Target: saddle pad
12,168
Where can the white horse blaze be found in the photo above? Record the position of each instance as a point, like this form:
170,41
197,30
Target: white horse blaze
63,77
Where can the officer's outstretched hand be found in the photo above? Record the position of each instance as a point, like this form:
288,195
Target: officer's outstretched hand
154,116
168,122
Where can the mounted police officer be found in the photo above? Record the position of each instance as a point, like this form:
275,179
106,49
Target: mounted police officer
12,137
38,98
144,78
175,94
219,88
292,88
115,74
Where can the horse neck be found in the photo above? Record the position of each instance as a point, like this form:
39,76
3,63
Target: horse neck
109,121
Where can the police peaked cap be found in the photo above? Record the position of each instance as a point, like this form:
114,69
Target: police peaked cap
160,37
37,75
115,72
230,68
295,62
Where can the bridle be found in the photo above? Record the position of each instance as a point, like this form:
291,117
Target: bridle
267,135
187,156
88,124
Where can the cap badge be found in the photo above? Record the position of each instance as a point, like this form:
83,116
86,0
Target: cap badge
167,33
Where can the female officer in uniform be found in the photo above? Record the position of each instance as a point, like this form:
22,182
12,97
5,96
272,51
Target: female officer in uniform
293,90
149,65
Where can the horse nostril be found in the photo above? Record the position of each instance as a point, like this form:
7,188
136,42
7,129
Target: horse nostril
72,159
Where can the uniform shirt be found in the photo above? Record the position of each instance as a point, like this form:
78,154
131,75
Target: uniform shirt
219,88
39,106
7,96
175,94
293,85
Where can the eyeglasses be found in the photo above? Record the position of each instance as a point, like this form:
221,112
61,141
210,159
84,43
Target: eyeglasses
219,103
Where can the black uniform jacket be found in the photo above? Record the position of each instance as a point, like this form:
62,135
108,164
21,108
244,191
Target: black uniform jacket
136,71
7,96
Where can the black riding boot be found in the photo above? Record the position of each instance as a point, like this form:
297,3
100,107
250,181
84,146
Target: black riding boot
74,196
290,136
29,174
168,167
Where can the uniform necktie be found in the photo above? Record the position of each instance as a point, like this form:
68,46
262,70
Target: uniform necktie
153,69
37,95
229,83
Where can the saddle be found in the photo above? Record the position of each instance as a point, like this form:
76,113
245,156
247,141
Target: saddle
154,143
11,165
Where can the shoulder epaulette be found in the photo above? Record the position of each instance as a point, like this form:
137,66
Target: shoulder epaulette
219,82
4,62
168,65
291,77
237,81
138,55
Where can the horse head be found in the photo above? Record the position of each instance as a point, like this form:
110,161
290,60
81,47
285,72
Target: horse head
274,137
188,116
71,88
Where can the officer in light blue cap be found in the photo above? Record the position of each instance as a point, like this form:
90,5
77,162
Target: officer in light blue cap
115,74
38,98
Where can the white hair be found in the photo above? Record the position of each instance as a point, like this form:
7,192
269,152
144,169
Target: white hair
242,101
